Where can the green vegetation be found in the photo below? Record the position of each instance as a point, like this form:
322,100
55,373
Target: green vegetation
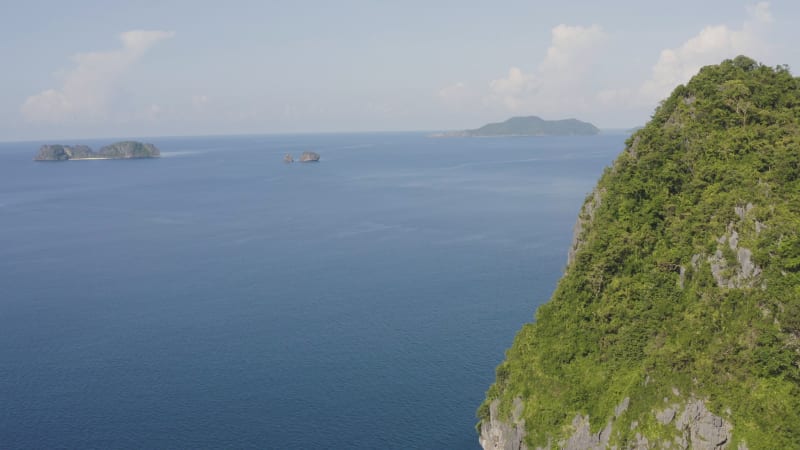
129,150
662,293
119,150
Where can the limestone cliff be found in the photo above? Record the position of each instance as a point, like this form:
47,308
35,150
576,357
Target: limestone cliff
677,321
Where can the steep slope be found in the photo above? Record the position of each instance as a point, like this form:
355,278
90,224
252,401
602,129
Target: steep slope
677,322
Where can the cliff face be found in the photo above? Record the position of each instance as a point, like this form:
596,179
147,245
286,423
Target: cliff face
677,321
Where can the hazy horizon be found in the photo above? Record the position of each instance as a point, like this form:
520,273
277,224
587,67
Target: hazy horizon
179,68
78,139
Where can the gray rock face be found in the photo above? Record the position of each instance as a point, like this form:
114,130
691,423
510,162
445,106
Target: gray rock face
309,157
666,416
705,430
741,273
742,211
697,428
583,223
500,435
288,158
583,439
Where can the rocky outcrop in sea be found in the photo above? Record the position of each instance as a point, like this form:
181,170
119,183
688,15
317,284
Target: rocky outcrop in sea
119,150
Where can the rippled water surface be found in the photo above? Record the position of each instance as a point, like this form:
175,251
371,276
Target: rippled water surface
219,298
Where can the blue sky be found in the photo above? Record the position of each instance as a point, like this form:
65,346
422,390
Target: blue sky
110,69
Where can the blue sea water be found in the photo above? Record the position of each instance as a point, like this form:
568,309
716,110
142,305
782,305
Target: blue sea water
219,298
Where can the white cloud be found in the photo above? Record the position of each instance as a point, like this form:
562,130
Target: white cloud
760,12
557,86
459,96
710,46
455,90
569,47
513,90
87,87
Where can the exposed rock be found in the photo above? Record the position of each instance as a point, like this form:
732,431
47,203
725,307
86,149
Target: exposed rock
498,434
742,273
583,439
742,211
634,145
309,157
733,241
666,416
697,427
641,443
682,277
622,407
582,224
288,158
701,428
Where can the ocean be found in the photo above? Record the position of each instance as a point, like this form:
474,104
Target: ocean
219,298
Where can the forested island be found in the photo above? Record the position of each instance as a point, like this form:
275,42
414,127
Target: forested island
677,321
119,150
528,126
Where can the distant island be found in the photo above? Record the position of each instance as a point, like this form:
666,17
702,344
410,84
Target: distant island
119,150
528,126
309,157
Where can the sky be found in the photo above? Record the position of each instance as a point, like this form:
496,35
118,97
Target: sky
93,69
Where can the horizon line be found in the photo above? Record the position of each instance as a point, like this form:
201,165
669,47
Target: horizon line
279,133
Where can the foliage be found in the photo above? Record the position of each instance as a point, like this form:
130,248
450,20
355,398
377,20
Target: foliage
635,317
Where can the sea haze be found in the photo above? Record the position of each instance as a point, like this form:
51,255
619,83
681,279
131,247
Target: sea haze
219,298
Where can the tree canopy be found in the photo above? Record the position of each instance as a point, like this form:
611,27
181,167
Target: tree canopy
687,276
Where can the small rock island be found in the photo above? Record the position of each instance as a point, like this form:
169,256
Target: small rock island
309,157
119,150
